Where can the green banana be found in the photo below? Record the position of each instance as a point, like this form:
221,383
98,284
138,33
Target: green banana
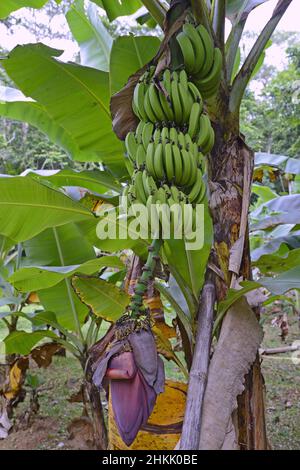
187,218
201,195
158,162
167,190
195,93
211,80
196,188
186,102
183,78
166,107
194,119
181,140
140,156
178,166
151,185
147,134
139,187
131,193
139,99
155,103
164,135
129,165
161,196
187,168
169,164
157,136
139,132
209,51
175,193
207,147
151,116
187,50
173,135
204,130
188,142
150,158
131,145
197,43
176,102
145,184
153,218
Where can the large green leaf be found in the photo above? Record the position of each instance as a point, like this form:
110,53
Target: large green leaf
190,265
27,207
283,282
14,105
41,277
22,342
264,192
104,299
115,8
273,244
263,158
114,243
290,165
76,97
293,166
93,38
60,247
276,285
94,180
8,6
280,210
129,54
276,263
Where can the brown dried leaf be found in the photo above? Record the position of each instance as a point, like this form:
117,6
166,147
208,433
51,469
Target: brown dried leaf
236,350
124,119
77,397
16,378
42,355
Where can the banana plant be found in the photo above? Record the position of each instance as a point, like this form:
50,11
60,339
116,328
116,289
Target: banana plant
73,106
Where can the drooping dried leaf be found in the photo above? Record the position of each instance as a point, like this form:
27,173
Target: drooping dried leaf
236,350
42,355
124,119
16,378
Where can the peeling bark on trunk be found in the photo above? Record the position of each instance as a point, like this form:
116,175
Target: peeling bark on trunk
226,185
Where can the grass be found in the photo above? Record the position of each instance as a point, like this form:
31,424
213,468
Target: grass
282,378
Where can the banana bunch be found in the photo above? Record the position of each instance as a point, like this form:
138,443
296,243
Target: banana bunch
168,154
169,100
202,61
169,163
169,204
